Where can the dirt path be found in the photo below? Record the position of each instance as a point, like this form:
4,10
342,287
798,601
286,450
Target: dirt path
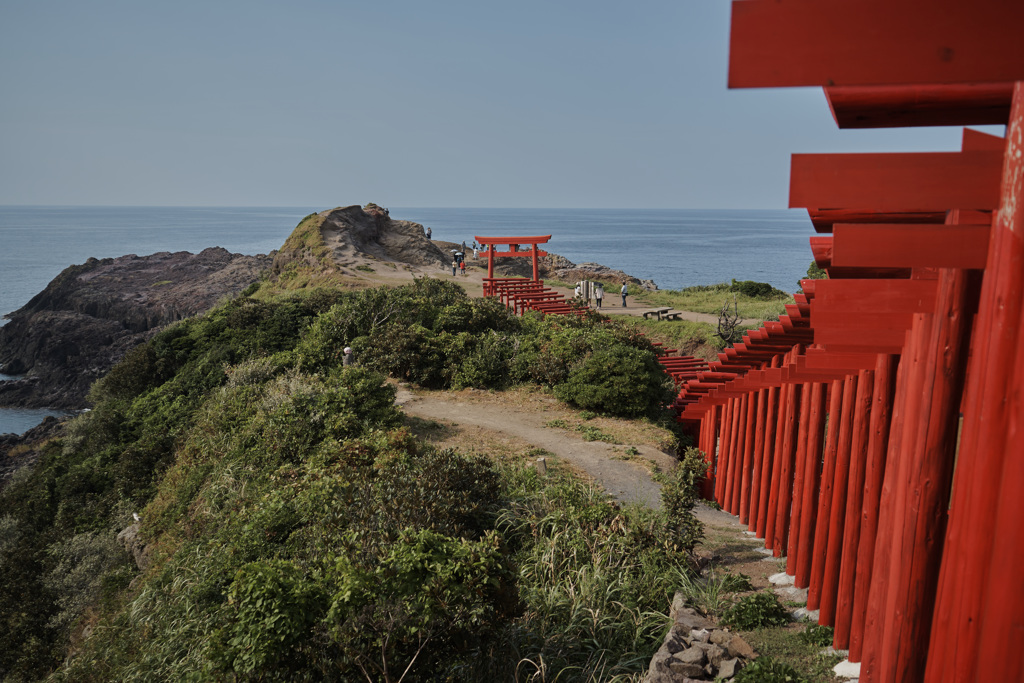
626,480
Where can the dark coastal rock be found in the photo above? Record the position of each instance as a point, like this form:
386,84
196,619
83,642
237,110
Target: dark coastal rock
90,315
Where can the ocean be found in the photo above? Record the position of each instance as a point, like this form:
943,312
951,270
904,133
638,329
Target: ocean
674,247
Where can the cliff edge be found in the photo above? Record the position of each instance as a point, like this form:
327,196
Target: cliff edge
90,315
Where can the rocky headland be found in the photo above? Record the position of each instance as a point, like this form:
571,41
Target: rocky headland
90,315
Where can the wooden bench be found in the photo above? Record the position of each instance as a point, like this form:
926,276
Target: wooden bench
671,315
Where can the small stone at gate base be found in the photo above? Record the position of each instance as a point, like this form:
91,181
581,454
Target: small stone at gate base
693,655
847,669
741,648
782,579
729,668
690,670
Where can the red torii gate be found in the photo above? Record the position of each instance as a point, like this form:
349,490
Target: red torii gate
913,579
513,250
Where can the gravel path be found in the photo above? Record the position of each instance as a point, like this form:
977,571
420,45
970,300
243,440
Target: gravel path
624,480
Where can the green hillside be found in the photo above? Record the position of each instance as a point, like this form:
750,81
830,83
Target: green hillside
292,528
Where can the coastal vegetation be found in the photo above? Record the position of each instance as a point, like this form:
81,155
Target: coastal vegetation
755,300
290,526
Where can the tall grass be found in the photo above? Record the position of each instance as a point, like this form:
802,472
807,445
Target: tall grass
710,299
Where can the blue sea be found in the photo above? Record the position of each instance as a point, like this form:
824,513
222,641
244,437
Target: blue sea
674,247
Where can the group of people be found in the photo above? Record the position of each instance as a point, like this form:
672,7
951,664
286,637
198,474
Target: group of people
599,293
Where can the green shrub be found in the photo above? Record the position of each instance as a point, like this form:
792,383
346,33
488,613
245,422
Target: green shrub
768,670
619,381
756,611
818,635
272,606
757,290
679,494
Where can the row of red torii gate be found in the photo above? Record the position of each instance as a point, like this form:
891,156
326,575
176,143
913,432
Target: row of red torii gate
874,436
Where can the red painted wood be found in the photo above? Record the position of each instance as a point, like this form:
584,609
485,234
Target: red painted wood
923,181
735,455
533,239
920,105
822,359
799,467
910,246
811,485
725,445
725,425
780,539
748,458
828,472
837,512
784,43
757,463
825,220
1001,657
821,248
768,458
874,611
859,339
976,141
875,296
785,407
854,503
926,469
881,414
990,444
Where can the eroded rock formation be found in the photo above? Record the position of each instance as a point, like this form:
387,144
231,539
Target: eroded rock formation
90,315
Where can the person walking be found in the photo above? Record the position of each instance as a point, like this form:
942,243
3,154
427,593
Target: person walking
455,266
599,293
462,267
429,232
624,292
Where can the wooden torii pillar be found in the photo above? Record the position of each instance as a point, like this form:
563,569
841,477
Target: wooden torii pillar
513,244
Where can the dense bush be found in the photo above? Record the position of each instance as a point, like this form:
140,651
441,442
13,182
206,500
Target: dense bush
757,290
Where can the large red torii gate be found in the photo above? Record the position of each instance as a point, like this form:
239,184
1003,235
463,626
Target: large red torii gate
513,250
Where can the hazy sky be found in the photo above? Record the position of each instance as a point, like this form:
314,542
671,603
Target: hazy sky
529,103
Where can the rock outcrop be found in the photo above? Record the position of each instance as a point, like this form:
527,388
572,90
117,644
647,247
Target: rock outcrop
90,315
351,234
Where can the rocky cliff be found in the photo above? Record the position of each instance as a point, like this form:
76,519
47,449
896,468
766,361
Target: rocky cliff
91,314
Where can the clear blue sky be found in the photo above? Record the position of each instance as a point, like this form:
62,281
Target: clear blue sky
515,104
